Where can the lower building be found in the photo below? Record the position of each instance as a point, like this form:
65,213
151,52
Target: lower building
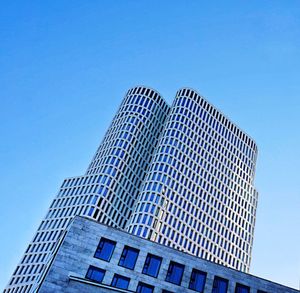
181,175
92,257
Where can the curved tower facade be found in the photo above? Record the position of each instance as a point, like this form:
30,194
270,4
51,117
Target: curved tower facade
123,156
181,176
198,194
108,190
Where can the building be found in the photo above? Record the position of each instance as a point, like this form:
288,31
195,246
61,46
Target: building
108,190
158,167
198,195
92,257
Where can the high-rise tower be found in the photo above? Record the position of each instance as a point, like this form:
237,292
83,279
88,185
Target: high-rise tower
108,190
198,194
180,175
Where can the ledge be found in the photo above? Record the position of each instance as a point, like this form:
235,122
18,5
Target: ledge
77,278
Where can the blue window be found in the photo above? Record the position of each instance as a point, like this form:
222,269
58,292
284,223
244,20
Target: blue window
152,265
105,249
103,190
175,273
197,281
220,285
239,288
166,291
95,274
144,288
119,281
129,257
91,211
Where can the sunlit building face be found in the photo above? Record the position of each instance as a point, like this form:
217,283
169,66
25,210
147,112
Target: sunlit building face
180,175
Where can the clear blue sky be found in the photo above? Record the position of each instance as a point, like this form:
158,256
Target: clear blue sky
65,66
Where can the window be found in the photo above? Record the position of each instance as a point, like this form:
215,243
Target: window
152,265
128,257
105,249
166,291
175,272
220,285
95,274
144,288
239,288
197,280
261,291
119,281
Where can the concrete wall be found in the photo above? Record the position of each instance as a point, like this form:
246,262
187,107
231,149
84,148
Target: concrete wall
67,271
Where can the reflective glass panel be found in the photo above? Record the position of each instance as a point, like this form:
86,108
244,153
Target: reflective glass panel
95,274
128,257
144,288
220,285
105,249
120,281
152,265
197,280
239,288
175,273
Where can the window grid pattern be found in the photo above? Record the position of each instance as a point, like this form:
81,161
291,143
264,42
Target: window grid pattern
198,195
75,197
157,168
108,190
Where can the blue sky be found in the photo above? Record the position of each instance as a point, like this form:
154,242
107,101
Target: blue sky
65,66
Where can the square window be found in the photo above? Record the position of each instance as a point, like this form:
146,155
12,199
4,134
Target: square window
105,249
175,273
121,282
197,281
220,285
95,274
239,288
152,265
144,288
129,257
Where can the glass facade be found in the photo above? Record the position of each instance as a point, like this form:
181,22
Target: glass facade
239,288
180,175
197,281
105,249
198,195
220,285
108,190
175,273
128,257
152,265
121,282
95,274
144,288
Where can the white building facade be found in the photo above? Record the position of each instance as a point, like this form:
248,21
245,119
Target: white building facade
198,195
95,258
181,176
108,190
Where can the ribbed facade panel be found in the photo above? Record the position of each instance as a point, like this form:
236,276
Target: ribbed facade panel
198,194
182,176
123,157
108,190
